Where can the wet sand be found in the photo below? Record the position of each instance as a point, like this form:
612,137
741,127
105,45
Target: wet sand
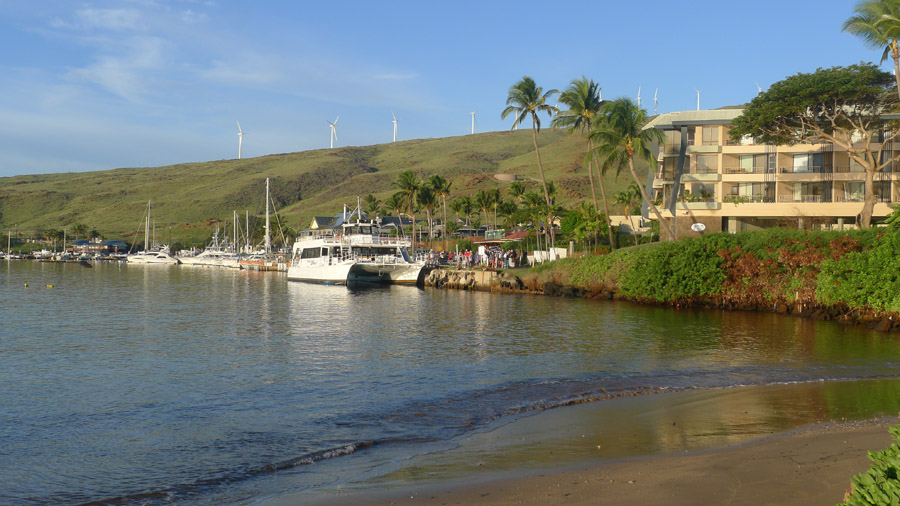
759,445
807,466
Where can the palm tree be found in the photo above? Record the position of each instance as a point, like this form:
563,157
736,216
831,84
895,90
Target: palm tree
408,184
495,202
442,189
620,136
517,189
393,204
483,200
508,209
373,205
583,99
464,205
78,230
525,99
877,23
427,198
628,198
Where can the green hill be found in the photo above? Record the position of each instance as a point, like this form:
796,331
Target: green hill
188,199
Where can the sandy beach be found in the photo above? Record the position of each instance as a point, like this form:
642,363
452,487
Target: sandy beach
807,466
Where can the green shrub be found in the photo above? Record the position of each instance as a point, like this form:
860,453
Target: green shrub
864,279
880,484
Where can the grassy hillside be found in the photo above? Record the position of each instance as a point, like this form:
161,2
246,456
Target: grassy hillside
188,199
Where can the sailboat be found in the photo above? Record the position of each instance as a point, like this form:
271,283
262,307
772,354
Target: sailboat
155,255
264,260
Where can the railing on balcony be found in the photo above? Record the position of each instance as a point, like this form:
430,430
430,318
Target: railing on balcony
803,199
811,169
854,197
749,199
746,170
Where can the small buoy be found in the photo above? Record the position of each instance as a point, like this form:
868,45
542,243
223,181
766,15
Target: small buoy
49,286
26,285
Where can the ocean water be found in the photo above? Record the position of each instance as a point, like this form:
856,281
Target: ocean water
128,384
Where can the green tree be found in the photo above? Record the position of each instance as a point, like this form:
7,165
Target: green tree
408,184
393,204
442,190
526,99
838,105
427,199
509,210
517,189
583,100
79,230
463,204
877,23
373,205
620,136
628,199
484,200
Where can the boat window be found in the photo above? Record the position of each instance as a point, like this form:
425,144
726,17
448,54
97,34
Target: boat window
310,253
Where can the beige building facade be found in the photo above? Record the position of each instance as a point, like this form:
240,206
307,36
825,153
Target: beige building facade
704,177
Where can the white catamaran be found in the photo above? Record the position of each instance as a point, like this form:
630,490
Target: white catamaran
359,252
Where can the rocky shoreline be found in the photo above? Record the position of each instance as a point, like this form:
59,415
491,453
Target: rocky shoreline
499,281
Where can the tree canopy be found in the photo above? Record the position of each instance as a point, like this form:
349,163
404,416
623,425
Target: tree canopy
828,104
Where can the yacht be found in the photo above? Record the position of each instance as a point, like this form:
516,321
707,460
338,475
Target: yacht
155,255
359,252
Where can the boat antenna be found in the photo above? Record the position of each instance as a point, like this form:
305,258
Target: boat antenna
358,209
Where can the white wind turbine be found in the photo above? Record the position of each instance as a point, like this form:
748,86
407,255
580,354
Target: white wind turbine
473,120
240,139
698,100
395,127
639,97
655,102
758,89
333,130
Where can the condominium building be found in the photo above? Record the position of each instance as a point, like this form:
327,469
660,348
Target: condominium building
705,177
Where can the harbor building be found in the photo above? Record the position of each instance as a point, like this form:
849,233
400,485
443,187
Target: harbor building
704,177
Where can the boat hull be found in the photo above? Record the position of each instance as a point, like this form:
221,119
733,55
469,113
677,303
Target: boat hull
357,272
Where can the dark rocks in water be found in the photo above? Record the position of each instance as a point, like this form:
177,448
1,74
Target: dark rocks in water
85,263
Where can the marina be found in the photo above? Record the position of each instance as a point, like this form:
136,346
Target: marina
227,386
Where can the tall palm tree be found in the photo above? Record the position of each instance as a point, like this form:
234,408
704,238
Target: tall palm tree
483,200
442,189
393,204
628,198
517,189
373,205
583,99
409,184
620,136
526,99
496,198
427,199
877,23
464,205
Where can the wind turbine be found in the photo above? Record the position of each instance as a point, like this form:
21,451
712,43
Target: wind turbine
473,120
698,100
240,139
758,89
655,102
333,130
395,127
639,97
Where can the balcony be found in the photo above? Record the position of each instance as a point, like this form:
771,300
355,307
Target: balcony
811,169
748,170
749,199
804,199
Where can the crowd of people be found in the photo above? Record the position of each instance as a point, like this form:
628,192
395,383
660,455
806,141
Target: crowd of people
492,257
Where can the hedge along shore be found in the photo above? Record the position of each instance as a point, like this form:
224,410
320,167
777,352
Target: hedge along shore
852,277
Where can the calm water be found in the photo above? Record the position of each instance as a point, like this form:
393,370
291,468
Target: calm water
152,384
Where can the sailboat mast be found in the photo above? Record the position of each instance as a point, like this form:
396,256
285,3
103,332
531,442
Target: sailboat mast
147,229
247,230
234,240
268,239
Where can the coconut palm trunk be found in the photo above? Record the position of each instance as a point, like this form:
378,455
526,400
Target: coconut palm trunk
612,242
537,152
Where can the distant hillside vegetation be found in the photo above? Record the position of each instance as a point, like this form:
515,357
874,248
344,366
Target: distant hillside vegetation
188,199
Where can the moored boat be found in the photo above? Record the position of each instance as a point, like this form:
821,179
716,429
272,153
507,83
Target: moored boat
349,253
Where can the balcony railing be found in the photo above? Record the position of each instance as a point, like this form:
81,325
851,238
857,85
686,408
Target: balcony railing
811,169
749,199
803,199
747,170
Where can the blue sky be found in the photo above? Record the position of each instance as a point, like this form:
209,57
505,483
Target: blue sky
95,85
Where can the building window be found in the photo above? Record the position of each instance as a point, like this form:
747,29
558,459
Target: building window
710,136
707,164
